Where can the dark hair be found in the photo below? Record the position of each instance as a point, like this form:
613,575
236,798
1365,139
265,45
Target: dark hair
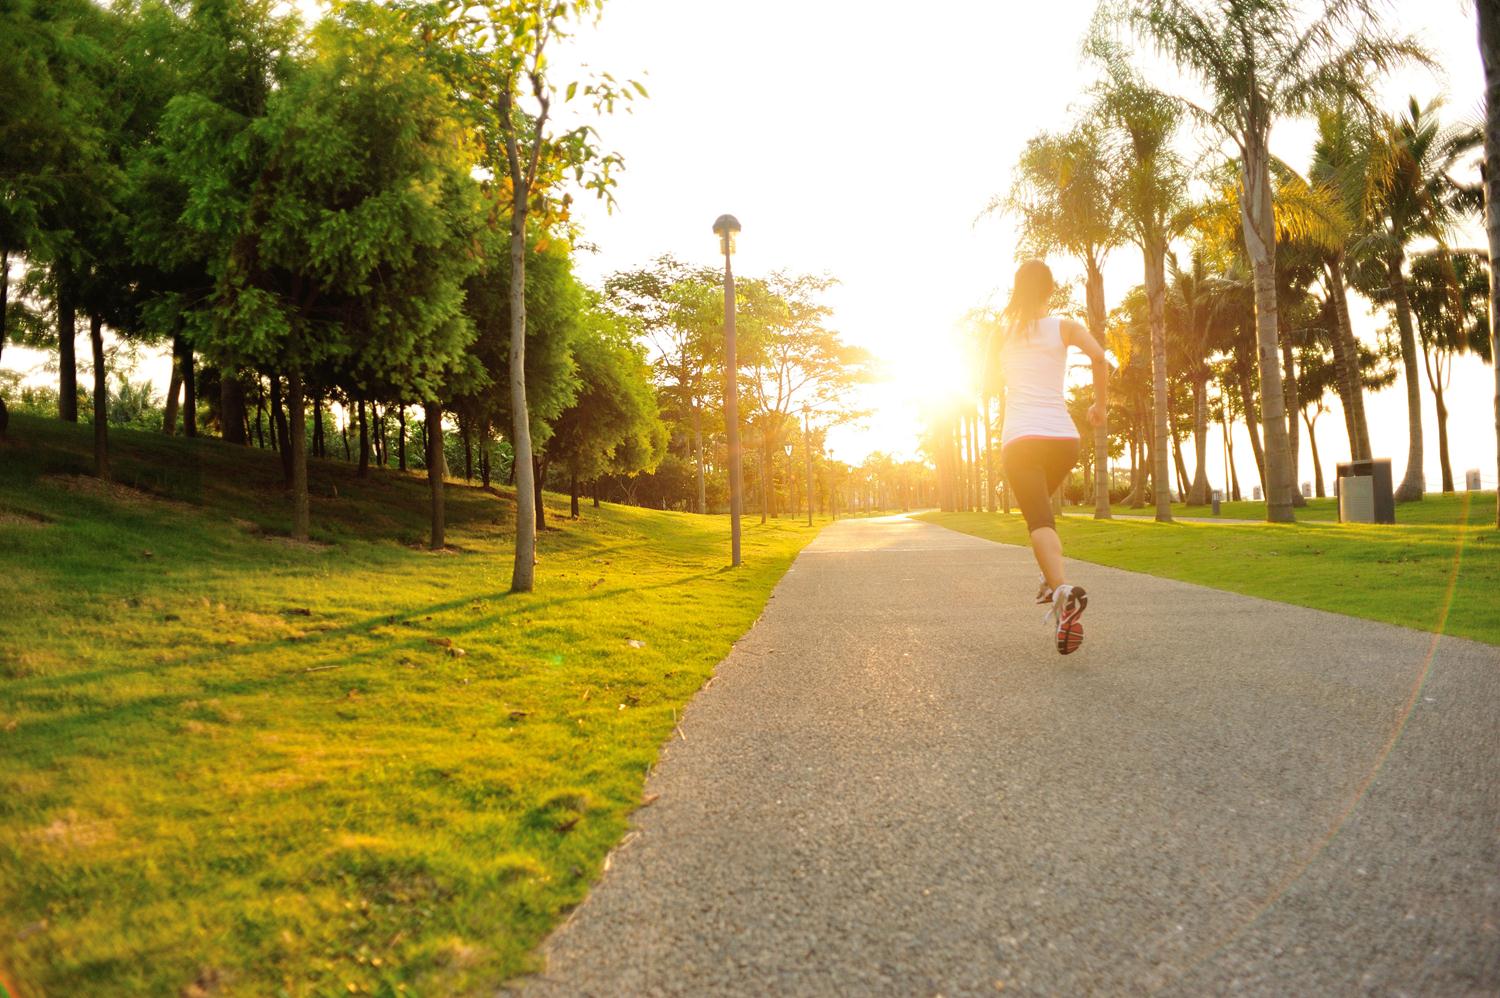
1028,297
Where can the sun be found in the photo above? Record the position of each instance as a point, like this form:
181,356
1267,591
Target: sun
933,371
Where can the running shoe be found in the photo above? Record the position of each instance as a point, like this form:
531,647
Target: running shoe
1043,591
1068,604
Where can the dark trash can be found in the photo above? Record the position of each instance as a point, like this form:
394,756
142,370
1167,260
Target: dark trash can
1364,490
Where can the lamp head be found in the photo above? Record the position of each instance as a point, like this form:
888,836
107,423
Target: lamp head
726,226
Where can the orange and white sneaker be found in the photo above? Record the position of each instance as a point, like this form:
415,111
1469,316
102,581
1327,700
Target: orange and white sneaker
1068,604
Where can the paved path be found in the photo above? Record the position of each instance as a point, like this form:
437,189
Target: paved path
895,786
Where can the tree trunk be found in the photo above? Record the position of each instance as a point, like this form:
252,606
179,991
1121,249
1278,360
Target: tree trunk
1293,406
1179,465
463,431
764,477
297,434
289,446
364,441
434,423
1346,356
401,440
1156,295
1234,478
101,399
573,495
596,493
174,389
1312,440
1094,294
232,407
1259,228
538,479
320,447
1489,50
1198,493
189,391
67,363
1253,425
260,413
523,577
698,452
1414,482
989,460
1442,414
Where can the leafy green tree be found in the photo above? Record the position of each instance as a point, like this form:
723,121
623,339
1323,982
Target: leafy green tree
613,426
1259,61
352,243
42,134
507,44
679,309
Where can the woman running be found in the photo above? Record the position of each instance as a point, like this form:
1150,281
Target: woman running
1039,443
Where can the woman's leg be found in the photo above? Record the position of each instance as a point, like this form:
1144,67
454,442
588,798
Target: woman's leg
1047,547
1026,466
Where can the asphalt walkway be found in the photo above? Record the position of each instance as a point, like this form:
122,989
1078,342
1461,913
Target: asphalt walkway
895,786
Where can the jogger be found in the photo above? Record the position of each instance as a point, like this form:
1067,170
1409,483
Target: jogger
1039,443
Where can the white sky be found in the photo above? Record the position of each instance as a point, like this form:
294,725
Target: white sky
863,139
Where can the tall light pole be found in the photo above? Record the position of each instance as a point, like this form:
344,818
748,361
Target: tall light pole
726,226
807,452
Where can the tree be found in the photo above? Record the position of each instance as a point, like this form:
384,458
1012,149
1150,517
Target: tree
1065,194
351,244
679,309
790,358
1489,51
1341,168
1153,181
509,43
1449,300
1414,196
612,427
1259,60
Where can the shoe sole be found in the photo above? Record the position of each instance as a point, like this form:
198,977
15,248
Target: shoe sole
1070,623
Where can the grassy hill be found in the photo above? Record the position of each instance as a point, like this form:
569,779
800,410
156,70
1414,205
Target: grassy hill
231,764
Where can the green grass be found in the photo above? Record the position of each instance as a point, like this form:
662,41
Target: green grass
230,764
1441,575
1437,508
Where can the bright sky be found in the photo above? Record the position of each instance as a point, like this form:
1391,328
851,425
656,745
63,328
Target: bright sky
864,138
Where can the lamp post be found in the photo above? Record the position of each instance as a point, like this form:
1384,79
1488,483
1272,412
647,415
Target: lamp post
726,226
807,452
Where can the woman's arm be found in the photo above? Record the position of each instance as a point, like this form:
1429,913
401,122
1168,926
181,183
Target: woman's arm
1075,334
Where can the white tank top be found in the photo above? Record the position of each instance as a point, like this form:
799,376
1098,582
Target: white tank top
1033,365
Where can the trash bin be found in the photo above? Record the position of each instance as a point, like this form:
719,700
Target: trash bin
1217,495
1365,494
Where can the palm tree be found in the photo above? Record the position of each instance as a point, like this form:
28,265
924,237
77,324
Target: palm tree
1259,61
1489,51
1199,312
1341,167
1065,196
1414,197
1449,297
1153,182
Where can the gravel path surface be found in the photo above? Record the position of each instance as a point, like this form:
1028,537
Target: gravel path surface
894,785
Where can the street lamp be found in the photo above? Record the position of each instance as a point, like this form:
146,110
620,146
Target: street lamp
726,226
807,451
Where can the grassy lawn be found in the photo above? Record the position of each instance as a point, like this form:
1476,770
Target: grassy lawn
232,765
1432,576
1436,508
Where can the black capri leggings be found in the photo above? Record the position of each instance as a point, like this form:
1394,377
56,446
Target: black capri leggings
1035,467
